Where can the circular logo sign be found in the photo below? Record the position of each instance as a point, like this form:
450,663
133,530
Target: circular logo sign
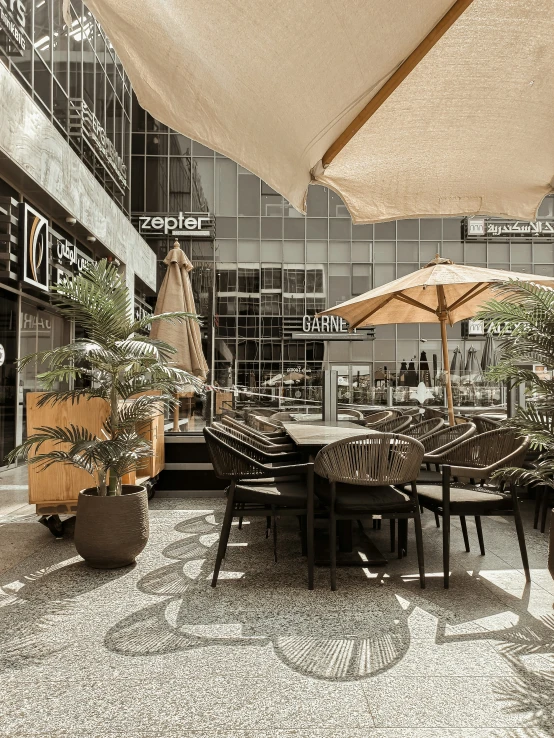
2,354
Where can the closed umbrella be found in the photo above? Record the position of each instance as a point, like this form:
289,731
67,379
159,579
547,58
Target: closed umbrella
405,109
472,370
456,366
441,292
424,373
176,295
488,357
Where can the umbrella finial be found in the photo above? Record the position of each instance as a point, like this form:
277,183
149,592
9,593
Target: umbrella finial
438,260
176,244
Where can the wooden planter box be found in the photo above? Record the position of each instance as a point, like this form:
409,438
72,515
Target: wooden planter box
55,490
551,546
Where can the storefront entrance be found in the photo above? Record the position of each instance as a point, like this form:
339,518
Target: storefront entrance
8,374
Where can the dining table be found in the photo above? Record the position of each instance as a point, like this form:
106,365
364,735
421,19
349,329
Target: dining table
355,548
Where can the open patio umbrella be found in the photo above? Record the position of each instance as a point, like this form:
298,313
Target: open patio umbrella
176,295
441,292
404,109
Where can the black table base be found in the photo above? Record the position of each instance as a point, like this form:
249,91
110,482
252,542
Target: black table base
354,546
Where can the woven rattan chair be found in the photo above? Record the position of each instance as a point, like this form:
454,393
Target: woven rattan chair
432,412
282,451
485,424
257,488
274,444
263,424
393,425
349,411
280,417
476,458
361,473
424,429
414,412
378,417
444,438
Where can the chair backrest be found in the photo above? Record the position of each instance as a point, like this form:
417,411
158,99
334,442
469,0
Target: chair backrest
485,424
425,428
447,436
246,438
262,424
279,417
486,449
413,411
349,411
270,444
233,458
432,412
372,460
378,417
394,425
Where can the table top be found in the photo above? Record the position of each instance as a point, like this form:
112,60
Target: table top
314,417
322,432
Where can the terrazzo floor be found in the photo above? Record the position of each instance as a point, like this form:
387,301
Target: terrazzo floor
154,651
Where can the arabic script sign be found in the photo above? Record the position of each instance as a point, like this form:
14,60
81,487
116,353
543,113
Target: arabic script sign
493,228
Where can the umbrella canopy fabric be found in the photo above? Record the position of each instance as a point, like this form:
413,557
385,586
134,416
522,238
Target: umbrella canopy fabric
441,292
405,109
488,357
176,295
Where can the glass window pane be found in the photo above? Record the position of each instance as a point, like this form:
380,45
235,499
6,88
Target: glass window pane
453,251
521,253
362,232
408,229
339,229
384,251
226,250
204,186
317,201
476,252
199,149
384,273
226,227
543,252
361,251
337,209
249,250
385,231
316,228
249,194
293,252
500,252
249,227
430,228
272,228
295,228
339,251
407,250
273,251
316,252
452,229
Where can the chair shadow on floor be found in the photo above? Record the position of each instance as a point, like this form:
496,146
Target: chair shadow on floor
356,633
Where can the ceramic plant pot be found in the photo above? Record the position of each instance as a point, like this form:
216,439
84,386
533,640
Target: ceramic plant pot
110,532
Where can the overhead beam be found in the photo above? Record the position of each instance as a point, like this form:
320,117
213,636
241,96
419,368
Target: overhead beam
407,66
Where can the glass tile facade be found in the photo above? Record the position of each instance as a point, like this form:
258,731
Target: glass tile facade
272,265
62,68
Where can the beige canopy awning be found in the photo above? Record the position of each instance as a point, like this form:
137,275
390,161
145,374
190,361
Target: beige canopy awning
404,108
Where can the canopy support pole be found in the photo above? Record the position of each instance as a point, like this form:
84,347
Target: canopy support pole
398,76
446,366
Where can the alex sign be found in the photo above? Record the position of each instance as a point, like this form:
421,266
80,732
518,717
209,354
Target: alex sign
178,224
12,22
34,234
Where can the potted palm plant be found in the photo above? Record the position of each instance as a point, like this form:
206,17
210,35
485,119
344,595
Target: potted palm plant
523,316
133,374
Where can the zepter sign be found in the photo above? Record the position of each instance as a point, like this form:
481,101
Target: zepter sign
34,233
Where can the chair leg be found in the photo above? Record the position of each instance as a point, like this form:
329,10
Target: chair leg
437,520
392,534
464,532
521,535
225,530
333,539
538,501
419,540
267,526
274,516
402,537
303,529
480,534
310,530
446,525
544,508
241,517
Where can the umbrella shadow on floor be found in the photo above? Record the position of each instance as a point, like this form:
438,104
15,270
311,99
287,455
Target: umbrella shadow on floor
356,633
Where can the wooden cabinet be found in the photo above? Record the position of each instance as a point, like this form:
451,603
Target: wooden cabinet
55,490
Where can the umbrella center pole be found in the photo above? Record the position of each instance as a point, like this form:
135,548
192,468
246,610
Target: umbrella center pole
444,340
